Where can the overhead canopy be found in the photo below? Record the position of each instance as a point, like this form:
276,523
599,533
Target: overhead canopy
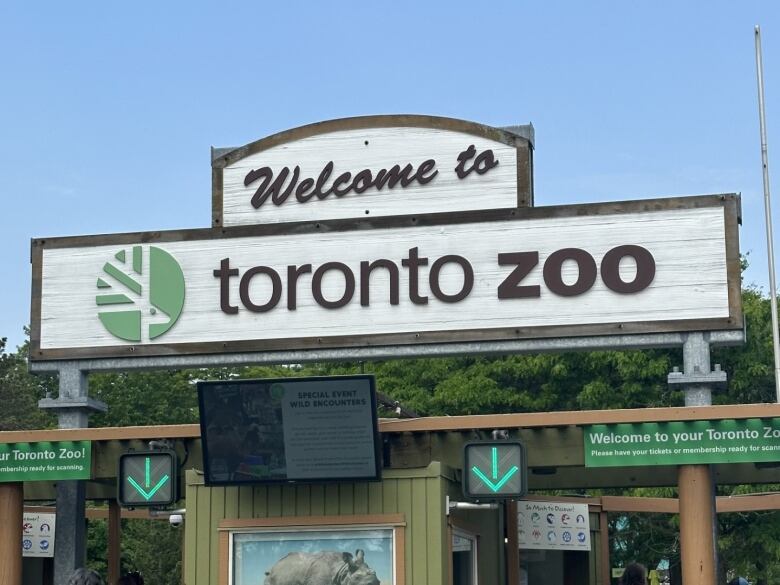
554,441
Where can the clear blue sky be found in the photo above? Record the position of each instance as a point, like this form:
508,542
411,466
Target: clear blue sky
108,110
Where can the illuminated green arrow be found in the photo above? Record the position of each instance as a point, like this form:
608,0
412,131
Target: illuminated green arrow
148,481
495,484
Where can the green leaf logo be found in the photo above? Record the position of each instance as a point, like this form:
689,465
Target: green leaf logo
155,288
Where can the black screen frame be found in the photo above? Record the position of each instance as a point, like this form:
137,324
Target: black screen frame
378,461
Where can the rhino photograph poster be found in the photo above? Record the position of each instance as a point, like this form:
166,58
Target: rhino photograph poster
342,556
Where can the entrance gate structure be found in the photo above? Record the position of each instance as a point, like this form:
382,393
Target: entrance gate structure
391,237
421,465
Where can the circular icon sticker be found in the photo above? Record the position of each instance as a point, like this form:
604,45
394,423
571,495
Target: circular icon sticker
581,537
550,518
535,517
44,544
551,536
27,527
565,518
566,536
277,392
27,544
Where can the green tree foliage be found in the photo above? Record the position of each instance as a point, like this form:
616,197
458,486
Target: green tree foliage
523,383
20,392
749,542
97,546
750,367
153,548
145,398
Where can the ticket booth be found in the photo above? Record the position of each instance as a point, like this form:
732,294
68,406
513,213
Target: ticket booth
410,528
233,535
395,528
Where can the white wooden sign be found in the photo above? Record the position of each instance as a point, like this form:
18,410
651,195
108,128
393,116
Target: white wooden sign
544,272
366,168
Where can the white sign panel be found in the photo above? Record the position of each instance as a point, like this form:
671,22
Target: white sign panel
38,535
504,279
371,172
553,526
460,543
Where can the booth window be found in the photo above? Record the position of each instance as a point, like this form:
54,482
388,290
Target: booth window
464,558
335,550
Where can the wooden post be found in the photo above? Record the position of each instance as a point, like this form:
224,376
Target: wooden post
11,512
512,547
114,541
698,554
697,524
606,563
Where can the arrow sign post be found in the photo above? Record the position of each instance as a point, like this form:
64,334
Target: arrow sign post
494,470
147,478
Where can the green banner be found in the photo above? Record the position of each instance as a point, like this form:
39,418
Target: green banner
45,461
683,442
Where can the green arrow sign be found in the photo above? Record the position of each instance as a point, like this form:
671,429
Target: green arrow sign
494,470
148,482
147,478
495,485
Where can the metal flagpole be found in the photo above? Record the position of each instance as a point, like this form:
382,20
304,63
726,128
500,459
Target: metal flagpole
768,211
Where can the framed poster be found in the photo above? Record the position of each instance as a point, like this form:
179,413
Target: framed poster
323,550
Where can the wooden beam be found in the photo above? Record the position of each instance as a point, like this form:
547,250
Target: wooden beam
306,521
649,505
593,502
723,504
605,562
433,423
11,506
578,418
748,503
103,434
100,513
114,540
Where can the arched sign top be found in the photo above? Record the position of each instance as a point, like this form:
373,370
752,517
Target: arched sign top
230,156
372,166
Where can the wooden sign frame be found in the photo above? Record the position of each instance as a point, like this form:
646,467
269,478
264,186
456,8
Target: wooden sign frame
730,205
222,158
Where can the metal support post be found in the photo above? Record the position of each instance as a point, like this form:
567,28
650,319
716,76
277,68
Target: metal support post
72,407
454,505
512,543
698,535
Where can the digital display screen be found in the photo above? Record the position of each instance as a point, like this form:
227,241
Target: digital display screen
289,430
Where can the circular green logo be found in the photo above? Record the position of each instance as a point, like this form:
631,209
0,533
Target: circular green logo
277,392
149,279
